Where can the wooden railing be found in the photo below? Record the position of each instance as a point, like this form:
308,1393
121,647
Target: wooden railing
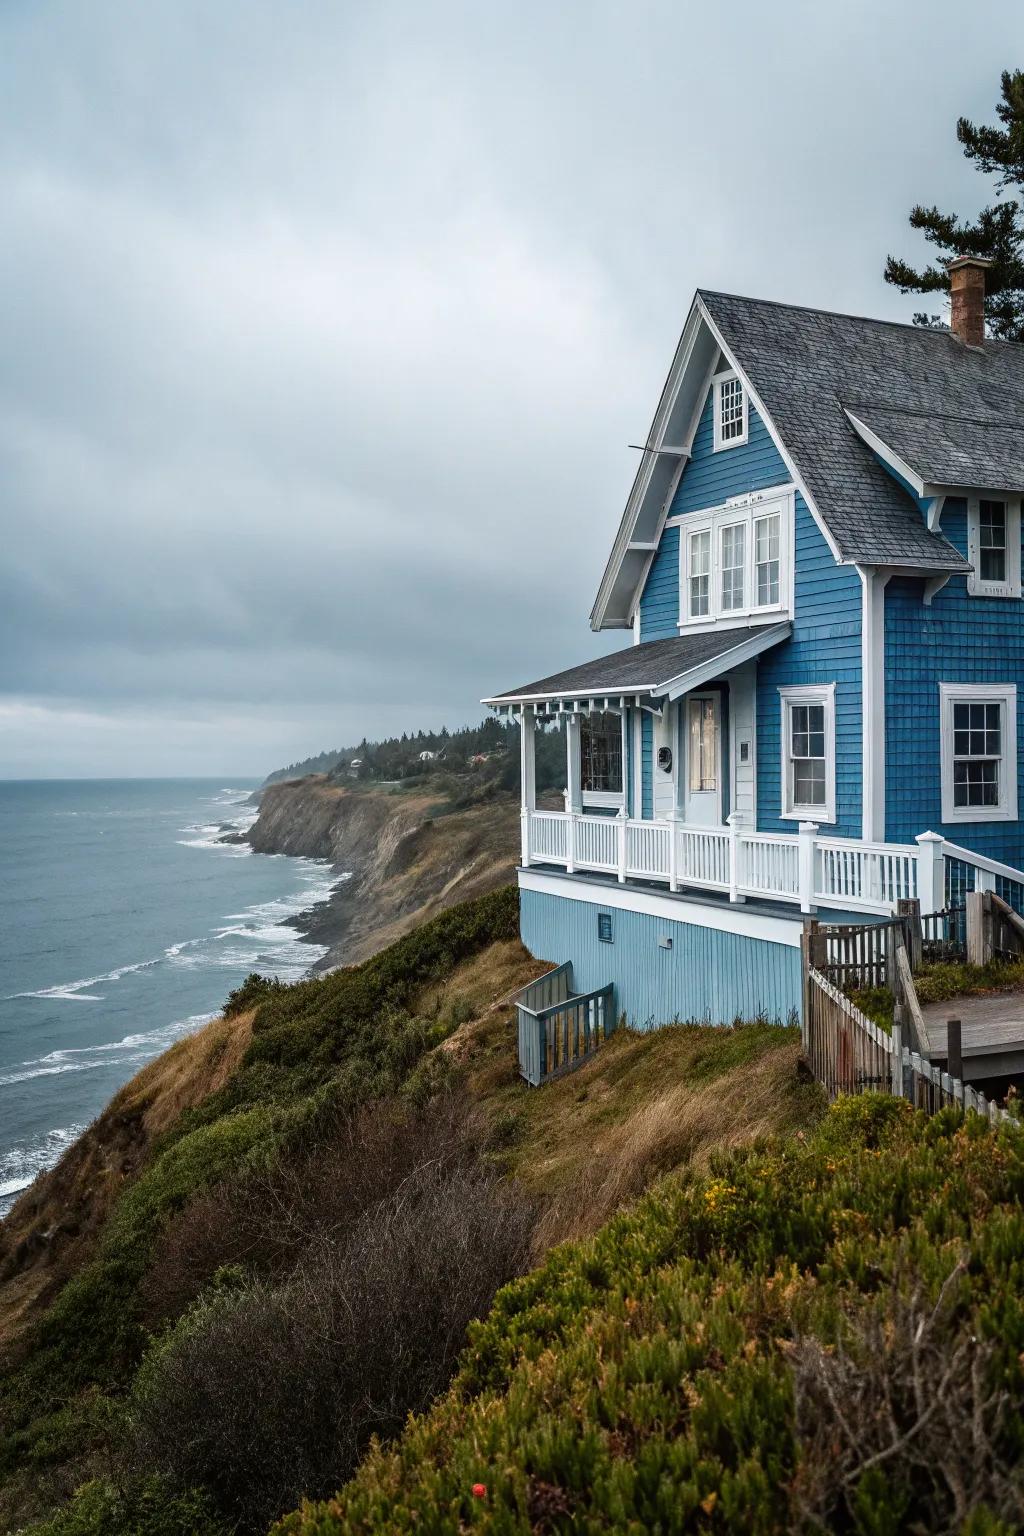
802,868
848,1053
559,1029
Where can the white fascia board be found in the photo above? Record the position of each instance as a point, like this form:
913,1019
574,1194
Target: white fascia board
773,433
673,909
888,455
645,470
725,661
589,695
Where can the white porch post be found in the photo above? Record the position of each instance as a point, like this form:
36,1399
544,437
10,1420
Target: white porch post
528,774
573,793
931,872
806,850
872,668
735,820
624,807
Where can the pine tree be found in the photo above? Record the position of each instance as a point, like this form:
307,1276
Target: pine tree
998,232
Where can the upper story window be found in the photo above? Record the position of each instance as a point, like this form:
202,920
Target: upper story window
735,562
993,546
730,407
979,751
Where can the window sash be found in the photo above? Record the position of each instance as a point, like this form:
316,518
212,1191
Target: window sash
977,753
992,541
733,548
601,753
807,756
730,410
700,573
767,545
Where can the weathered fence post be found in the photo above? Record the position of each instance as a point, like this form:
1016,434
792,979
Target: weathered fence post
896,1060
979,928
954,1049
909,909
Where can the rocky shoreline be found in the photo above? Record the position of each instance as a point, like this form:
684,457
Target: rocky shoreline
400,856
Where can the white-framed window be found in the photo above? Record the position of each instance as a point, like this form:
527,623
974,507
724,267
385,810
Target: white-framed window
736,561
978,726
698,563
733,564
601,775
730,410
809,752
993,546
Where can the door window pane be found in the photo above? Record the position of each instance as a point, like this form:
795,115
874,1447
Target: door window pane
734,545
703,746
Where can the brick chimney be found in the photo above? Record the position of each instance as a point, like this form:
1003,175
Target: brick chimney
967,298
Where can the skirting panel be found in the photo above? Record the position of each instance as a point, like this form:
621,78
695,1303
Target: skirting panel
664,970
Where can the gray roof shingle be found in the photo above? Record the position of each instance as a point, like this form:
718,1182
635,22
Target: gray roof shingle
807,365
646,668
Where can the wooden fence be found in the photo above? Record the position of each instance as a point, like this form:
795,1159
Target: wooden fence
848,1053
559,1029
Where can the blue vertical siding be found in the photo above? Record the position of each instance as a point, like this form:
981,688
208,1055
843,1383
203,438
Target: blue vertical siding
825,645
706,976
958,639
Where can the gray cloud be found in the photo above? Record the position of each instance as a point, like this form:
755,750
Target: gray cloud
325,329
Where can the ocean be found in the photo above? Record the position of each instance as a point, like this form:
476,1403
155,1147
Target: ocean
124,924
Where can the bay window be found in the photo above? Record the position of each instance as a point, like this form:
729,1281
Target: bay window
736,561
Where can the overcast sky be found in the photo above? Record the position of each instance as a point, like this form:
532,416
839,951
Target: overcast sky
325,328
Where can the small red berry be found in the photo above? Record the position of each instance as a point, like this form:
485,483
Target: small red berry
479,1490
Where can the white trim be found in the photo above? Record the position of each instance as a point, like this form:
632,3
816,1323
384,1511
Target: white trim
674,909
885,453
814,693
773,433
1004,694
602,799
695,677
872,671
638,765
976,587
721,445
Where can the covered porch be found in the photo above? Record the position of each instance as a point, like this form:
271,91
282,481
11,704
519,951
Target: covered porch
661,787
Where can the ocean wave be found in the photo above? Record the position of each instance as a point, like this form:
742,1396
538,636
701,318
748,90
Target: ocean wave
132,1050
20,1164
73,991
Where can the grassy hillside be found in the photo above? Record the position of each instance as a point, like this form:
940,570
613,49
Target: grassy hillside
822,1333
269,1247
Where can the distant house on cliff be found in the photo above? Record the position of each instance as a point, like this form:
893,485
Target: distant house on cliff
820,564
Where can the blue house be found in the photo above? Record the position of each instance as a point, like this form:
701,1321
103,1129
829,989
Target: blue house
820,563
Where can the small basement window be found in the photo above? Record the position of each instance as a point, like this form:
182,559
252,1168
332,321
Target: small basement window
730,409
979,751
604,927
993,546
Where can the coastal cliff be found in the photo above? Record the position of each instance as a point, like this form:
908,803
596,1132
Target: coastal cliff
407,854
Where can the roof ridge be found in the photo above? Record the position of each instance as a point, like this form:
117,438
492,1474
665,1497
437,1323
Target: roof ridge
841,314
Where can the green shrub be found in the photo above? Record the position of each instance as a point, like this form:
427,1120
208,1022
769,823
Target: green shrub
101,1509
646,1380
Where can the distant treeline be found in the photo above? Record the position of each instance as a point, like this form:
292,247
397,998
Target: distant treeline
400,757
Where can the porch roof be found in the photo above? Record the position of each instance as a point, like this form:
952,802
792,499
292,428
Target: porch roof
656,669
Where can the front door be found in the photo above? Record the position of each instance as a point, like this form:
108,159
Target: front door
702,738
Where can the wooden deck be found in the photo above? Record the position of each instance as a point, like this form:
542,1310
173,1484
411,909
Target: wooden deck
993,1033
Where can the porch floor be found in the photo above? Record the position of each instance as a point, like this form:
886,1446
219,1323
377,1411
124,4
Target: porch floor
992,1033
698,896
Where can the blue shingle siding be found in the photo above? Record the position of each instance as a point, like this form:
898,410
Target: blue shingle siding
825,646
705,977
708,480
958,639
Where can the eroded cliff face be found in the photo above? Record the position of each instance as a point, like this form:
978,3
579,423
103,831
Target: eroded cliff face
407,856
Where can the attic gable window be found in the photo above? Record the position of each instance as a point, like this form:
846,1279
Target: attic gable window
993,546
730,410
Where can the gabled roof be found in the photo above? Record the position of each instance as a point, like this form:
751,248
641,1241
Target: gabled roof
658,668
957,411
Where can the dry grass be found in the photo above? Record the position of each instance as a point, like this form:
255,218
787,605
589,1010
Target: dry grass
52,1229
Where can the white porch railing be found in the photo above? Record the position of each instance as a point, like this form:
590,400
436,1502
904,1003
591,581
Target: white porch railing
804,868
